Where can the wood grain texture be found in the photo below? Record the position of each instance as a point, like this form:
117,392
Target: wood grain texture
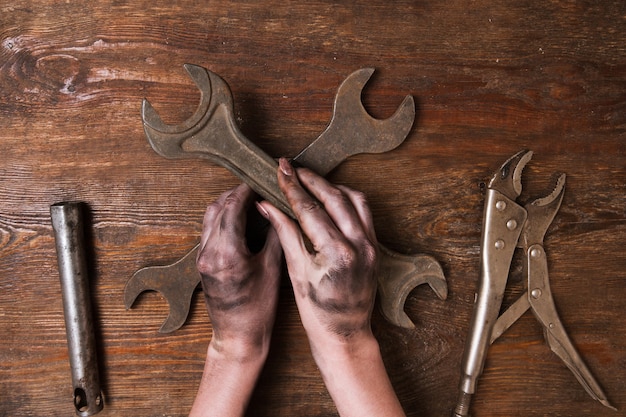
489,79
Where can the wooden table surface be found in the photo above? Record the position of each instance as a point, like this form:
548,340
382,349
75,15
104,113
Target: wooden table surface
489,79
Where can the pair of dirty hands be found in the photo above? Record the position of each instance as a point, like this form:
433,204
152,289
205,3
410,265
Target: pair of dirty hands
331,257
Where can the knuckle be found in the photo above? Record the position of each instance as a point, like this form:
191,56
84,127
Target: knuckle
337,197
222,263
308,206
344,256
232,199
203,265
335,192
212,209
351,256
369,253
359,198
204,261
216,263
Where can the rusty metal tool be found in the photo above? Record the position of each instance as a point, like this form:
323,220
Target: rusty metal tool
507,226
211,133
67,222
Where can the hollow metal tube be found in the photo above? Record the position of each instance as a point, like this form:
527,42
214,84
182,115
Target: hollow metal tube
67,222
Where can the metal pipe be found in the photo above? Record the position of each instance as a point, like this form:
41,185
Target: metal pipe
67,222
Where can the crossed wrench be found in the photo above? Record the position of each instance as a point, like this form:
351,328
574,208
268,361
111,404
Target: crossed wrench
211,133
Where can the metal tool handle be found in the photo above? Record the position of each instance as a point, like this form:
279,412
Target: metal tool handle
212,133
239,155
67,222
540,299
502,221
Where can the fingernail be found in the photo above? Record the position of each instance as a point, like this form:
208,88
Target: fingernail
262,210
285,167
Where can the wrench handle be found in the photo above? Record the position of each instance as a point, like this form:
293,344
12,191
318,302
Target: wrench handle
211,133
240,156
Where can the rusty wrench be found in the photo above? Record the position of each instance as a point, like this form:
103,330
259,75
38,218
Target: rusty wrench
212,134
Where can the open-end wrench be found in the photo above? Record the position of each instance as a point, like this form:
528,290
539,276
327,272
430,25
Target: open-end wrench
212,134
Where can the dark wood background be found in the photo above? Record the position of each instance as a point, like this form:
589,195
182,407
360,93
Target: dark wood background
489,78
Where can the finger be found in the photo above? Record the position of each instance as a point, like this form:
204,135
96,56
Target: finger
338,204
223,217
233,219
359,202
212,213
313,219
287,232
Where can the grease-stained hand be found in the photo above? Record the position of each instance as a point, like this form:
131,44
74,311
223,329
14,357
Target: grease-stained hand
331,261
240,287
334,281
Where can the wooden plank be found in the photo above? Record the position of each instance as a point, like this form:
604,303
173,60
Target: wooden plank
489,79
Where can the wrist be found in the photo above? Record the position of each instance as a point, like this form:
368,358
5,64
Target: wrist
238,350
230,374
358,348
355,375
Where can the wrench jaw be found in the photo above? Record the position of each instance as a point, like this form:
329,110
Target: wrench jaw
168,140
203,80
351,118
508,179
176,283
390,132
398,275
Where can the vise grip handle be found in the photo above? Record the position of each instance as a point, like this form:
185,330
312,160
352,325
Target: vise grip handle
502,221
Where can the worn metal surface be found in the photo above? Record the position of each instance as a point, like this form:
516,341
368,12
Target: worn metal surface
507,225
352,130
212,134
67,222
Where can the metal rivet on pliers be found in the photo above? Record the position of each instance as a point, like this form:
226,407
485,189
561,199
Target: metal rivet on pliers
511,224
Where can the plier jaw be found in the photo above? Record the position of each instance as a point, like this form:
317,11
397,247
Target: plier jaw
508,179
541,213
507,225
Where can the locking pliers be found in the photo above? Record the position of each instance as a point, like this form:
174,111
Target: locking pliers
506,226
